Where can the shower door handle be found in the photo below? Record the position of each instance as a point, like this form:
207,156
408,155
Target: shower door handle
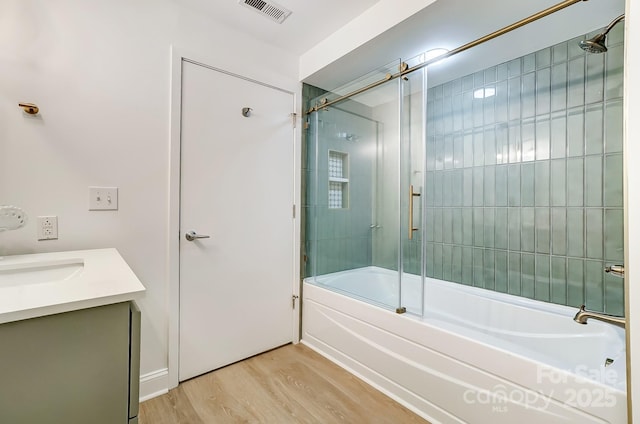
412,194
192,235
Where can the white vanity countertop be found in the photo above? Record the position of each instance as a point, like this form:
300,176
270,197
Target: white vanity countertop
101,277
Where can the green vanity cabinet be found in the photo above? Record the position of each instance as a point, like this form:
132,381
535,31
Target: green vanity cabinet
80,366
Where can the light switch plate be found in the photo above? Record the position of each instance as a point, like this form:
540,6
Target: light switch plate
103,198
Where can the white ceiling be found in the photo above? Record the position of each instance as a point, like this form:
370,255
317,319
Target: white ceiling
452,23
443,24
310,22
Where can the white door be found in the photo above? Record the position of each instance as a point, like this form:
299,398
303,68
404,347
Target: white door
237,189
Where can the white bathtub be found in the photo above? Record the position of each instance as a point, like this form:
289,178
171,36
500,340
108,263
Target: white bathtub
474,357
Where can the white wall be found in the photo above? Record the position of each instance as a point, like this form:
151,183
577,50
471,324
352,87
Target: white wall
99,71
632,201
374,21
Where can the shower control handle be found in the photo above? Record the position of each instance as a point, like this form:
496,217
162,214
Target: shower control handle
192,235
617,270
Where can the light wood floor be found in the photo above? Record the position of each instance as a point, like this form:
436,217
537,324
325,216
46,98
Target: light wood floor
291,384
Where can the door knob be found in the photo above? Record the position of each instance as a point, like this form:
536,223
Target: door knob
192,235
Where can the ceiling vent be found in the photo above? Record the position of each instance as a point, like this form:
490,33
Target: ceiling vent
271,10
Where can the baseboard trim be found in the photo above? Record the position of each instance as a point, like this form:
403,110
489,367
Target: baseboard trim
154,384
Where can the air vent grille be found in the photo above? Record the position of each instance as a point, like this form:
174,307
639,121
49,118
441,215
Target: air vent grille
271,10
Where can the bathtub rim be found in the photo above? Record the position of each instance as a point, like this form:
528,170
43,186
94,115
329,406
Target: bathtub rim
508,298
421,405
404,330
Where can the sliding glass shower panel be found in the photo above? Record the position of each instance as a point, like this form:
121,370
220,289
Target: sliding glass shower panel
356,214
412,186
344,195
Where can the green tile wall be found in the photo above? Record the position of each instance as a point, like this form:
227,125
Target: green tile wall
337,239
524,188
309,92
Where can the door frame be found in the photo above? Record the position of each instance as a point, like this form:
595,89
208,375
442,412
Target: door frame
179,54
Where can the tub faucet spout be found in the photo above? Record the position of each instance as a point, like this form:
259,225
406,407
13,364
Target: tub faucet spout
583,315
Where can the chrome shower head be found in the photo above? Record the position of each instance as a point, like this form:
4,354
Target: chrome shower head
596,44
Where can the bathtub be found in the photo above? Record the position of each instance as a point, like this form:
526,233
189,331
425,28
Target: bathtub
474,356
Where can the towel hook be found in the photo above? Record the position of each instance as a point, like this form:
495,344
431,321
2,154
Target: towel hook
29,108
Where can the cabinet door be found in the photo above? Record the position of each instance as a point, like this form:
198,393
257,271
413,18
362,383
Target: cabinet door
66,368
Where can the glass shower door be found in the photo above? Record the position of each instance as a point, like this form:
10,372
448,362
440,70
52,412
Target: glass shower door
412,183
343,193
354,234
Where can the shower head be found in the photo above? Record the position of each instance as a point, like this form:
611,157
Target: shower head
596,44
348,136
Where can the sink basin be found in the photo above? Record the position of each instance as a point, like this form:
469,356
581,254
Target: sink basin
22,273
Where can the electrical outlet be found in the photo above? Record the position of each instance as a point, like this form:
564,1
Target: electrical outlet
103,198
47,228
